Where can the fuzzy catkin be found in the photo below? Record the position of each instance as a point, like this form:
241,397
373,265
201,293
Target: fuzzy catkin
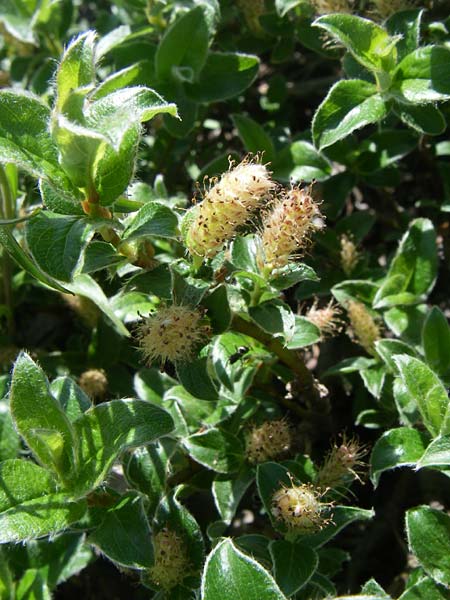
327,319
300,508
94,383
171,559
270,440
226,206
341,464
363,326
287,227
172,334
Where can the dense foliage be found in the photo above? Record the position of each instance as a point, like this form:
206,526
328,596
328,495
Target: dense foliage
224,296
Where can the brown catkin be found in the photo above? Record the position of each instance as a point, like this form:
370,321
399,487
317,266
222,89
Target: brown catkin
226,206
94,383
341,464
327,319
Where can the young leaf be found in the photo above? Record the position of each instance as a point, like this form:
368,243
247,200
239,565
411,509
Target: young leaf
428,532
396,448
231,574
229,492
40,419
30,504
109,428
405,23
428,391
368,42
436,341
294,565
77,68
437,454
24,136
423,76
349,105
152,219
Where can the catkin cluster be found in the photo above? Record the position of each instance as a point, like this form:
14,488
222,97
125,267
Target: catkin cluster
227,206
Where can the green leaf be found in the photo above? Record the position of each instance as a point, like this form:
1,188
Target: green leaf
40,419
84,285
305,334
388,348
16,16
437,454
32,586
413,268
109,428
195,378
294,565
253,136
30,505
300,161
275,317
24,136
349,105
368,42
407,322
360,290
124,534
340,516
230,574
229,492
350,365
426,589
423,76
216,449
428,532
16,252
224,76
428,392
436,341
424,119
182,52
70,396
152,219
405,23
243,253
76,70
396,448
9,440
218,309
57,243
292,274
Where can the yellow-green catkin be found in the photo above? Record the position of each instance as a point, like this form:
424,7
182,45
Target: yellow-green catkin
327,319
173,333
363,326
252,11
341,465
226,206
300,508
94,383
325,7
271,440
349,255
287,228
171,559
386,8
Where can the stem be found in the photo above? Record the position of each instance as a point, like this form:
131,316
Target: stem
290,358
7,212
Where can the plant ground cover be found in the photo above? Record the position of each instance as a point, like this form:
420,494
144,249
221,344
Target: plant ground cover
224,300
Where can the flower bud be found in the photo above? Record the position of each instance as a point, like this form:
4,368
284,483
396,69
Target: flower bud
339,467
273,439
287,227
349,255
173,333
171,559
363,326
226,206
94,382
300,508
326,318
325,7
